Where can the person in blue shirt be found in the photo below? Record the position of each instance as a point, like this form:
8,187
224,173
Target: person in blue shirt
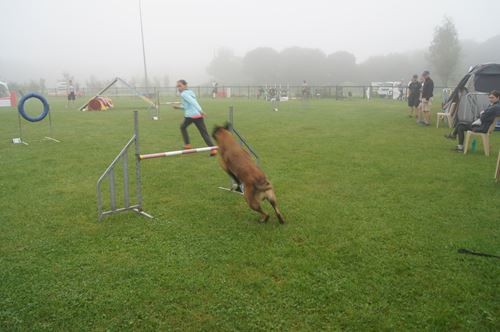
193,113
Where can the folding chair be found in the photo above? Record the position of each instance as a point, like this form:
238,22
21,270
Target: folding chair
446,115
484,136
497,172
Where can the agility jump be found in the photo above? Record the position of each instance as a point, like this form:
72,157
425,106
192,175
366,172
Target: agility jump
176,153
135,204
22,113
153,105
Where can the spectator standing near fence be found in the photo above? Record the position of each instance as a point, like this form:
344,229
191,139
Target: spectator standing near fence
305,90
193,113
71,93
400,90
427,94
306,93
413,96
215,89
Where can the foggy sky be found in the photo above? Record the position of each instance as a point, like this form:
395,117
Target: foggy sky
42,39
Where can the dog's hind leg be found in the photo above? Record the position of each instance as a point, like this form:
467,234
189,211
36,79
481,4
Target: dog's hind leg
271,197
264,216
254,204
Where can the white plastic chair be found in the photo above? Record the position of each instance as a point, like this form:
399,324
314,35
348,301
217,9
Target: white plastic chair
446,115
484,136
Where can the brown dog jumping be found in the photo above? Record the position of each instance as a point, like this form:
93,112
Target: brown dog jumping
240,166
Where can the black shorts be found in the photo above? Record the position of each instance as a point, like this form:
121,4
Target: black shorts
71,96
413,101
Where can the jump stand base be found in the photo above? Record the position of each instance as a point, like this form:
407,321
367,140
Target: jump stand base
231,190
133,209
19,140
52,139
234,188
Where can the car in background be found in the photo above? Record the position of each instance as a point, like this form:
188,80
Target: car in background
391,90
6,98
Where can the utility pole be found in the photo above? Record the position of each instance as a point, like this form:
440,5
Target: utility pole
143,50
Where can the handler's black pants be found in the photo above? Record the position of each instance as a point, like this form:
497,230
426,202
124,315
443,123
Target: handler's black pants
461,129
200,124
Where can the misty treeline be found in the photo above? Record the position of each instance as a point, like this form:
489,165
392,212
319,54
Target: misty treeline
447,58
293,65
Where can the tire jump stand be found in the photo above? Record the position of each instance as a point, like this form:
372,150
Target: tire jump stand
22,113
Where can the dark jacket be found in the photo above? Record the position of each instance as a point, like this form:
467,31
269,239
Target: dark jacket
488,117
414,88
428,88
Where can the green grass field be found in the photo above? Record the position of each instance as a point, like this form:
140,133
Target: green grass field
376,209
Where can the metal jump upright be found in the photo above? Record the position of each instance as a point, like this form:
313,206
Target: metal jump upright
135,206
240,137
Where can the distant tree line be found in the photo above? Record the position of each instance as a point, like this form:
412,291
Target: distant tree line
292,65
446,57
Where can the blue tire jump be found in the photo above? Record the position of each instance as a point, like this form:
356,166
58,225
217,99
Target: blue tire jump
23,113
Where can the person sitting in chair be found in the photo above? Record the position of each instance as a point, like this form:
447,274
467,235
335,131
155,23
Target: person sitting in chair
481,125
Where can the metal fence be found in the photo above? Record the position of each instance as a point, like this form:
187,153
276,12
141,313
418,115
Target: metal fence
261,91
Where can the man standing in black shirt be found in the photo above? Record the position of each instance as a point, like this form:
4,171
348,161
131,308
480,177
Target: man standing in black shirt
427,94
413,96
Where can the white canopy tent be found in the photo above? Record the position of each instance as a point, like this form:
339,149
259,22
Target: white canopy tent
5,97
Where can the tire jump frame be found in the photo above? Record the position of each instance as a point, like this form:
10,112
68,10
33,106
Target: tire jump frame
133,201
21,112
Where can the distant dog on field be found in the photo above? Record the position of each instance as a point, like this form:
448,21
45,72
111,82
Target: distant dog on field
240,166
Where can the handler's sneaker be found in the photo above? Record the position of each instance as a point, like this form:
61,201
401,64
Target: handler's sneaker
187,147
